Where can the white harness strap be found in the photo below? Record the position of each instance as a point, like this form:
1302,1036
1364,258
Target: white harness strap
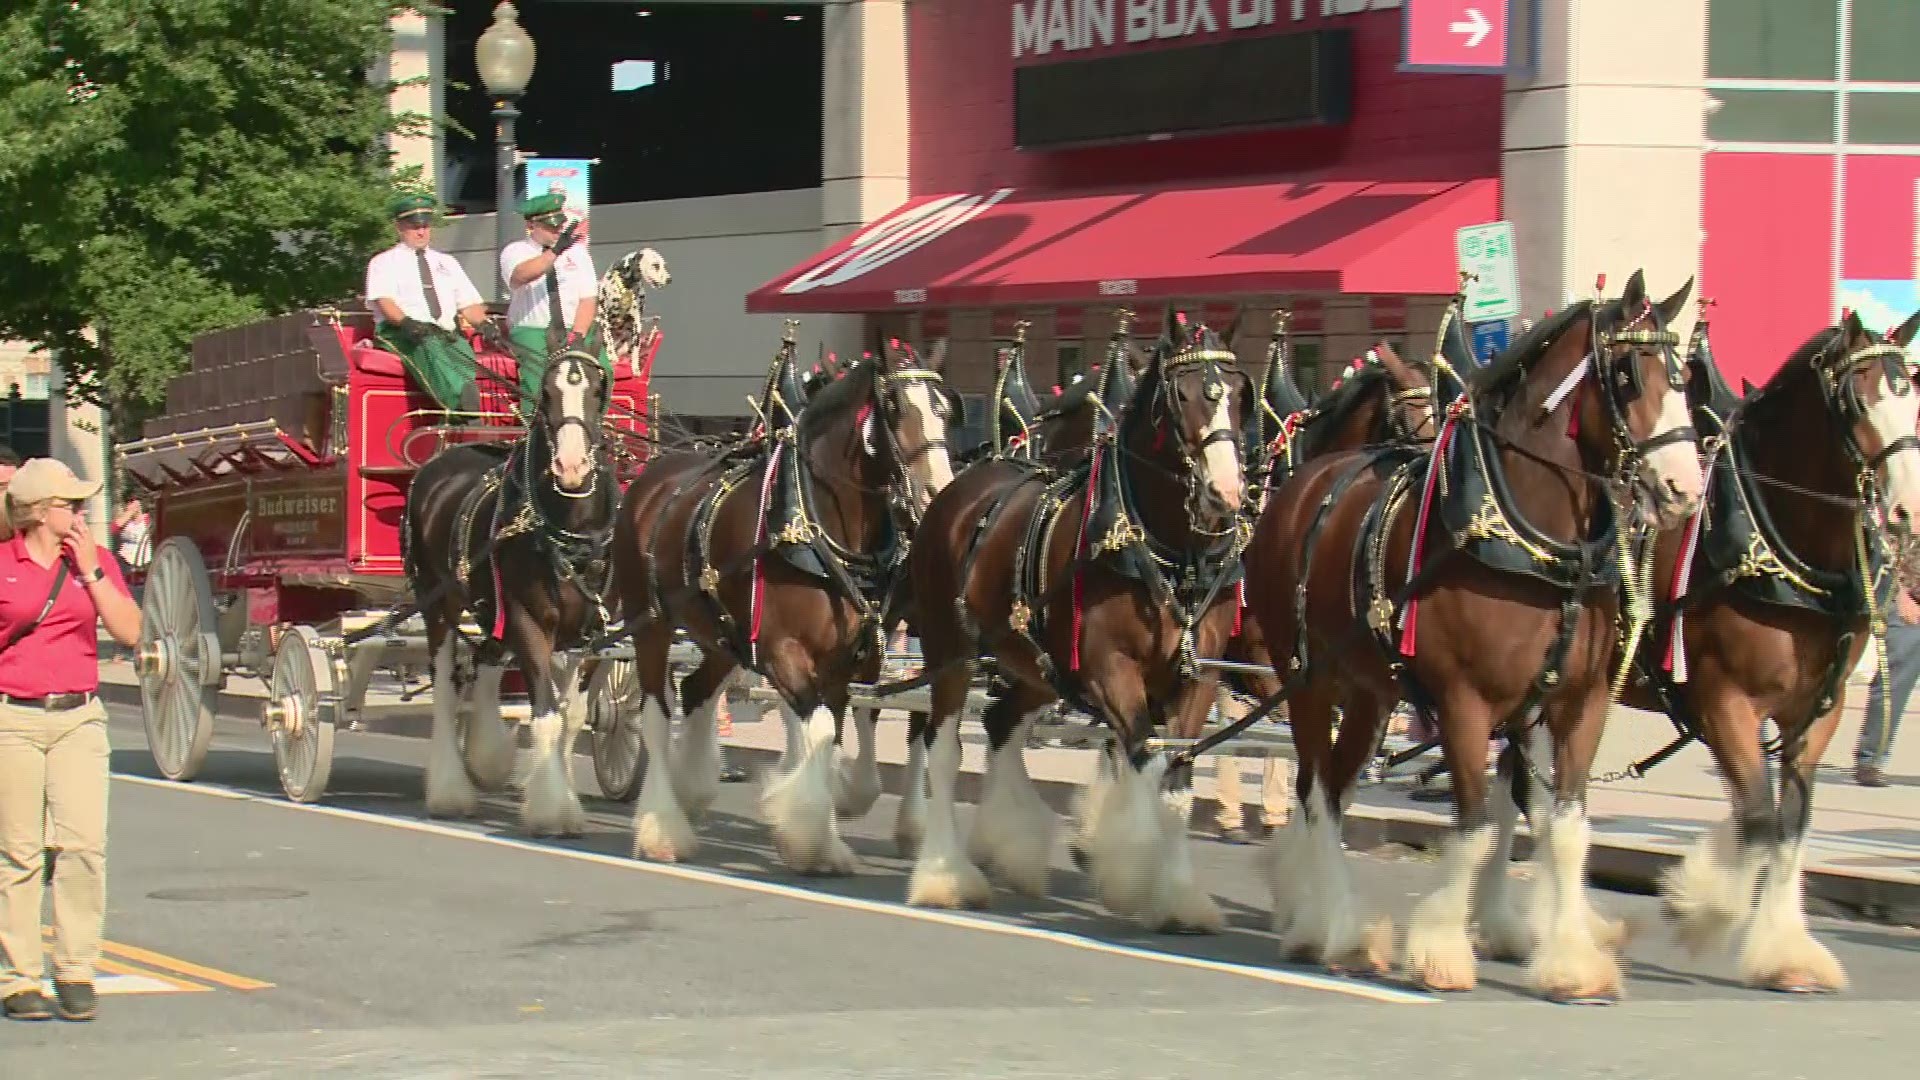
1566,386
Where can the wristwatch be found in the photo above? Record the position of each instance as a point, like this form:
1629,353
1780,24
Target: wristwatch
99,574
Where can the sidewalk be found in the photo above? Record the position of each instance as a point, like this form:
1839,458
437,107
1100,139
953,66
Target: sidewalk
1864,852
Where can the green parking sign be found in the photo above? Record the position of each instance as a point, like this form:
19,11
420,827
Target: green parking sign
1486,252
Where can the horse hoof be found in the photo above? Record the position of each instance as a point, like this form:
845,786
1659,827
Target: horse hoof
1373,957
1448,981
1599,998
1799,982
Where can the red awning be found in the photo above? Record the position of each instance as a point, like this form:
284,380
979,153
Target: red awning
1001,248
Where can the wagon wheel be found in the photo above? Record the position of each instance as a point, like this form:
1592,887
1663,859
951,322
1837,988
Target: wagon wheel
302,702
178,660
619,759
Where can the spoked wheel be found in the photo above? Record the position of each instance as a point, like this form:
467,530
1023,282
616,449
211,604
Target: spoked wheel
619,759
178,661
302,702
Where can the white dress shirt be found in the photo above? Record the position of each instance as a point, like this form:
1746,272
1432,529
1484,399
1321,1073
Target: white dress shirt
528,303
394,275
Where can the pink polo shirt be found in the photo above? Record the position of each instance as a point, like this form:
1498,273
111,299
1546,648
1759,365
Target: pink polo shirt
62,655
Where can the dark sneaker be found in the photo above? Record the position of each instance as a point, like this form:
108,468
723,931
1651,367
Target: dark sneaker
28,1005
1869,776
75,1000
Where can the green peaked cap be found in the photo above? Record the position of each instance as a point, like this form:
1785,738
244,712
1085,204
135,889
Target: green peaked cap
542,205
409,202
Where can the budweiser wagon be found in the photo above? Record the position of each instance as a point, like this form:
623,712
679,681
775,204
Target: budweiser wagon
278,476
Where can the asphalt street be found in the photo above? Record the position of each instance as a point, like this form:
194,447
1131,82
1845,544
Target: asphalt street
356,939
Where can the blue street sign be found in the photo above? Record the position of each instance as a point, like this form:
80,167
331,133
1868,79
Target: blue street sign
1489,338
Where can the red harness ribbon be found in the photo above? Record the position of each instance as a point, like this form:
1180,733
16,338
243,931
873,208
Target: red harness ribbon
758,597
1434,465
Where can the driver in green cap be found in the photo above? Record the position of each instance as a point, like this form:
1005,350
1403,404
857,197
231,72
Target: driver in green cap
554,305
421,298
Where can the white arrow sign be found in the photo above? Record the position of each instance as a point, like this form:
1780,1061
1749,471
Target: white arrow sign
1475,26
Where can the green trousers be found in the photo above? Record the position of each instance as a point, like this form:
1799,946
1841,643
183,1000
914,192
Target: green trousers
530,355
442,364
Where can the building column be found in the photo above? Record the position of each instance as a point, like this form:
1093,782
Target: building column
77,435
419,53
864,136
1601,160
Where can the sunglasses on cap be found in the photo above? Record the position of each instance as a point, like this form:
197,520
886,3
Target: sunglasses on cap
418,220
556,220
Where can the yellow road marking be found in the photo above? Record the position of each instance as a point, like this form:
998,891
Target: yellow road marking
122,959
114,967
109,966
173,965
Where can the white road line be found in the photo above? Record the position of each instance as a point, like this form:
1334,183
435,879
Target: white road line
1298,979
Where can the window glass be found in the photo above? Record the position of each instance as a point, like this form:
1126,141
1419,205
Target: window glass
1773,39
973,432
1885,41
1308,364
1071,360
1883,119
690,100
1772,116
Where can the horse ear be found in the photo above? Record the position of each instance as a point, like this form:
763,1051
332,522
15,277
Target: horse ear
936,360
1746,386
1233,328
1671,307
1854,331
1635,294
1903,334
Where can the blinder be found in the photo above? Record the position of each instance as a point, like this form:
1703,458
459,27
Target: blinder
1616,366
1215,367
1843,394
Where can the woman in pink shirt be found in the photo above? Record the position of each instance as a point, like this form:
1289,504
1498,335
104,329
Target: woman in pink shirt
54,589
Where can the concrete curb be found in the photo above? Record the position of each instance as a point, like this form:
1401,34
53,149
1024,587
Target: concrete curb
1622,866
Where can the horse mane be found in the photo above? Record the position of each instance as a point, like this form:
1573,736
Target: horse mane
1799,364
1073,397
1332,410
1503,372
838,395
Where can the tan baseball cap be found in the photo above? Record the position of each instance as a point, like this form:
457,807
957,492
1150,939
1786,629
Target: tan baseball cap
46,478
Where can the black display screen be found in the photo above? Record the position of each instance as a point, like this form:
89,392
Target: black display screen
1276,81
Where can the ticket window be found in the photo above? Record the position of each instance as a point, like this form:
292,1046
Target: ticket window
1310,372
1073,361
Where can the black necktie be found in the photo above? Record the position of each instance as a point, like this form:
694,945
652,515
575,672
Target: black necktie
426,284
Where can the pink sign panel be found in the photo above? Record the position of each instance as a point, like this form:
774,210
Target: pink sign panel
1465,36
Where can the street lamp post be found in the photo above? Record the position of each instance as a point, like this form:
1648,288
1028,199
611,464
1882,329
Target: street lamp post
504,55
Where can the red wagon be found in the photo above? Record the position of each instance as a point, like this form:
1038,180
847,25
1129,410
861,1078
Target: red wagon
277,477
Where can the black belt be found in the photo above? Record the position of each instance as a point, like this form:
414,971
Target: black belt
51,703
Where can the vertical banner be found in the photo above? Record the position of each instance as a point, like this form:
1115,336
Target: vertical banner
567,177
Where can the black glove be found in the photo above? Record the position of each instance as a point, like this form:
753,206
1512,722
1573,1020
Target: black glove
494,338
411,331
567,238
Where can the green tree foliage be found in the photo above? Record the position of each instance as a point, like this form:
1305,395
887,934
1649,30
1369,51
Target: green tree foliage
169,167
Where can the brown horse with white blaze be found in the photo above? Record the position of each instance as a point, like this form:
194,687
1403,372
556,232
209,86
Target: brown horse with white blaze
1499,548
1102,585
785,562
1813,498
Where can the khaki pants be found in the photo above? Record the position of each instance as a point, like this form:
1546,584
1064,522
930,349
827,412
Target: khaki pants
53,794
1226,779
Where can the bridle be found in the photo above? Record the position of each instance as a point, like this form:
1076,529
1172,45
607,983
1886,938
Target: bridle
571,367
1843,401
1623,384
890,396
1211,365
